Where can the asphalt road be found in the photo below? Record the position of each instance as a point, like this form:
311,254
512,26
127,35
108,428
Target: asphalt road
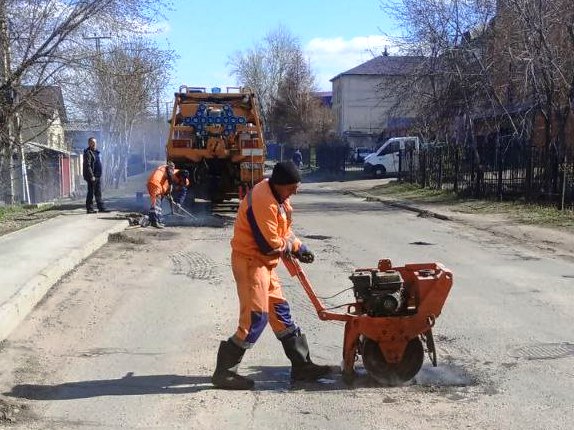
128,340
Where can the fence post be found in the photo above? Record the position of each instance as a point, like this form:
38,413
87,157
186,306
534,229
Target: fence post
439,182
401,162
499,169
424,167
563,192
456,167
529,171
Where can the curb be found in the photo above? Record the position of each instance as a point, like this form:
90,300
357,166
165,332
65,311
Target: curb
17,308
401,205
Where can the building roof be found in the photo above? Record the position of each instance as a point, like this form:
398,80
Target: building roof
389,65
81,126
44,100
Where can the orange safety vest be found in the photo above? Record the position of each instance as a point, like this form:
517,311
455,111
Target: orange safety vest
263,226
157,183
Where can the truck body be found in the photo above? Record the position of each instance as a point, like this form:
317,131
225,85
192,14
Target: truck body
218,137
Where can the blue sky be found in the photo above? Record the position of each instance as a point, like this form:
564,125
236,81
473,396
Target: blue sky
336,35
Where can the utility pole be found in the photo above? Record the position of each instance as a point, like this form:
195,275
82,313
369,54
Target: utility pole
97,39
6,104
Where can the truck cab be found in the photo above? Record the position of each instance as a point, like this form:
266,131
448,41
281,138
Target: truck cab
385,161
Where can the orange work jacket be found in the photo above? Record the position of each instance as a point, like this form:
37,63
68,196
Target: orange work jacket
157,183
263,226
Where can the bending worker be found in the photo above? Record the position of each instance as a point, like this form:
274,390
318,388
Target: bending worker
166,181
262,233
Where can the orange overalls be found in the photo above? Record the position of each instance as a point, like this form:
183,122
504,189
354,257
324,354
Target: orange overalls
158,186
262,232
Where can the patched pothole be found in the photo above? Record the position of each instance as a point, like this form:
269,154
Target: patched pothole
316,237
543,351
124,238
11,412
194,265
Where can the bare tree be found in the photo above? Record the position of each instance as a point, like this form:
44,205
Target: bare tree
40,39
264,66
539,53
121,86
280,74
454,75
297,115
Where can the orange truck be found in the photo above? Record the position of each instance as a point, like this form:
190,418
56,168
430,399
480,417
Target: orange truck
218,137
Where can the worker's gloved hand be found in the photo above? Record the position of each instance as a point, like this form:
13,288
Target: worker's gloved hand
304,254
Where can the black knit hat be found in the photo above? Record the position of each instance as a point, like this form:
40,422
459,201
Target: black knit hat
285,173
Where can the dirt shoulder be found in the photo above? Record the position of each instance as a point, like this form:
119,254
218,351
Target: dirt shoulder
535,227
13,218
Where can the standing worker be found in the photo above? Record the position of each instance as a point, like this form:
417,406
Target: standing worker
166,181
262,233
92,172
297,158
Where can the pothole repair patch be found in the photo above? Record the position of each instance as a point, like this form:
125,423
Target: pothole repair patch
316,237
544,351
194,265
11,412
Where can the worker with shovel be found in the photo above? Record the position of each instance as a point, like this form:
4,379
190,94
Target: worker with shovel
262,234
166,181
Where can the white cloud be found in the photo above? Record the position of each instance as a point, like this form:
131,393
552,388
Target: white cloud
160,28
329,57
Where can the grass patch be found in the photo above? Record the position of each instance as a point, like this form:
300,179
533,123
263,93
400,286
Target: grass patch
9,212
408,191
519,211
543,215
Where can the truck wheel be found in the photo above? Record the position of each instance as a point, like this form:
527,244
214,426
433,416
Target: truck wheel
190,198
379,171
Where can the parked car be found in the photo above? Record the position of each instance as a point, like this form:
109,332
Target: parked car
386,160
358,154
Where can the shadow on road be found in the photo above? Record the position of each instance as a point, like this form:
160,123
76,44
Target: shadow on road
277,378
267,378
128,385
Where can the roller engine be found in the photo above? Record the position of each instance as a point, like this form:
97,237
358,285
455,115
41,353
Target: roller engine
380,293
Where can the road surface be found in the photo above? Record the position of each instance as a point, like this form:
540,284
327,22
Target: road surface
128,340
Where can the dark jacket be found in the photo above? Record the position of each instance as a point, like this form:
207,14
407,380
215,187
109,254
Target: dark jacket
92,164
297,158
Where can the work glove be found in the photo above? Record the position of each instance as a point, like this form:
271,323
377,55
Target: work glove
304,254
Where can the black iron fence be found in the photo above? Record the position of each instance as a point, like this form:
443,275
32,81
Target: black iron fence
508,170
505,170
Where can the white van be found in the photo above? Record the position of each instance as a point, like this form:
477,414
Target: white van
386,160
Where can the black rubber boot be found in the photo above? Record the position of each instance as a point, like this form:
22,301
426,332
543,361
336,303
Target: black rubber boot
225,376
302,368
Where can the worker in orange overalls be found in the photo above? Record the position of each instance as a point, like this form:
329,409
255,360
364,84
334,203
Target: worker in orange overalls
262,233
165,181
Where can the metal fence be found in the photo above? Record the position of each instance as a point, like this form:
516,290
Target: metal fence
507,170
337,159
